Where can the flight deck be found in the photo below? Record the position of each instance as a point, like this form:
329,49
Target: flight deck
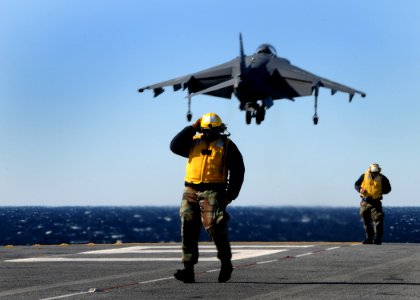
261,271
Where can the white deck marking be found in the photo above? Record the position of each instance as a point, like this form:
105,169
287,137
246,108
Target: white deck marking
155,280
149,253
266,262
70,295
237,254
144,249
305,254
332,248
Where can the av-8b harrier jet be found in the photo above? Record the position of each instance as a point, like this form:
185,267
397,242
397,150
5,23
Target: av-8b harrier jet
256,80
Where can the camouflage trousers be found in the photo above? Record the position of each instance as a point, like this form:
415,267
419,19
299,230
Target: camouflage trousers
373,220
200,209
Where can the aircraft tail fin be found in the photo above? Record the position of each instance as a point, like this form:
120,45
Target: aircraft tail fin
242,54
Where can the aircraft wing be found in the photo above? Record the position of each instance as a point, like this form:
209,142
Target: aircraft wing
201,82
303,83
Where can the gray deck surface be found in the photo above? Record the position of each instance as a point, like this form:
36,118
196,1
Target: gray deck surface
262,271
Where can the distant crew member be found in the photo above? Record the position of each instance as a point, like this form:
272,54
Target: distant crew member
372,185
214,175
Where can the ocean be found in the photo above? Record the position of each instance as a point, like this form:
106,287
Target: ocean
32,225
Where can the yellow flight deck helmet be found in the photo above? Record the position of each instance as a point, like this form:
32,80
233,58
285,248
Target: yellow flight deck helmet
211,120
374,168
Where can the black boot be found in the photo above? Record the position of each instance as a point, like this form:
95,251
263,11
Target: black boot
225,271
186,275
368,241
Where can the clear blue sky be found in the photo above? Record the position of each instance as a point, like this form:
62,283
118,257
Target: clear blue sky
74,130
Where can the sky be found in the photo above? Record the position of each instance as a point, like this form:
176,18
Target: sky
75,131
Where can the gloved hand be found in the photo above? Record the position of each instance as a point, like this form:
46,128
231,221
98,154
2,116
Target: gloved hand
196,124
364,193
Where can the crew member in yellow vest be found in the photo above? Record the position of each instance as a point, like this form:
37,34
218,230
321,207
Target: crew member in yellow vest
214,175
372,185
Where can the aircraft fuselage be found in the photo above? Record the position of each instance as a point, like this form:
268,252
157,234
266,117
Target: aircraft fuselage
257,88
254,84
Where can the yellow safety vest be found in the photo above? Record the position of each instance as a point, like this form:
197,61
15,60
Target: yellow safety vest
206,162
373,186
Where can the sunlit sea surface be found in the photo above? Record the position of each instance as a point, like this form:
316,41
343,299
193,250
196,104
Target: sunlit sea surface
75,225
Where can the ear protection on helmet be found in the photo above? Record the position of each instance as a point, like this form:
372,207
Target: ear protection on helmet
374,168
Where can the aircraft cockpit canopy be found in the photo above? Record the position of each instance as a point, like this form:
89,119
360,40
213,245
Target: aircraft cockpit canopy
267,49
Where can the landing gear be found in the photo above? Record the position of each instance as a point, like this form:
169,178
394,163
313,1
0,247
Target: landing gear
248,117
255,111
260,115
315,117
189,116
189,113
